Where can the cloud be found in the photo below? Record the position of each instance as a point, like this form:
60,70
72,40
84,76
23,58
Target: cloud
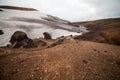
73,10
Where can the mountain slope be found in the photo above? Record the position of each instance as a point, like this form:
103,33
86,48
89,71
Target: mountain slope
105,31
34,23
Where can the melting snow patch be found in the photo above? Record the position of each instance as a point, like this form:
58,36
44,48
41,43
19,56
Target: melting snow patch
32,23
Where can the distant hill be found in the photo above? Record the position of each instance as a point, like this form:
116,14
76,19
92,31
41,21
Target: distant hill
100,24
18,8
104,30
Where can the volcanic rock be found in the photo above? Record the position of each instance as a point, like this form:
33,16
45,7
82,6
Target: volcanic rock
29,44
20,39
58,42
40,42
1,32
47,35
1,10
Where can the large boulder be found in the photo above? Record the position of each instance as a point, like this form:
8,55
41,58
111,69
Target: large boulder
1,32
18,36
20,39
47,35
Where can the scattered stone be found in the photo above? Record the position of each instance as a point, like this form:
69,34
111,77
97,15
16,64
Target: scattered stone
18,36
98,51
58,42
46,70
31,75
69,38
41,78
47,35
40,42
118,62
89,59
36,69
30,44
1,32
57,73
8,45
84,61
105,51
17,70
94,50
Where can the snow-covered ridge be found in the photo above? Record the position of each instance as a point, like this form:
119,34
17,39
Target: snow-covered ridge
34,23
17,8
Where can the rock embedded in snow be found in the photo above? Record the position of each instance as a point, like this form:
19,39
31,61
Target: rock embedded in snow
58,42
20,39
29,44
18,36
1,32
40,42
1,10
47,35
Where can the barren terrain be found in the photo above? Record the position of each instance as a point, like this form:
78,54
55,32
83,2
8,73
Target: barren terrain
72,60
62,54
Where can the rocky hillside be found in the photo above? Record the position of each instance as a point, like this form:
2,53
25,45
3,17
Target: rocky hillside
69,60
64,58
104,31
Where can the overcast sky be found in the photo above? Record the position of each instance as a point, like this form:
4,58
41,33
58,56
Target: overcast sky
73,10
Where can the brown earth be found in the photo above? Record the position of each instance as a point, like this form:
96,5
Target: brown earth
105,30
71,60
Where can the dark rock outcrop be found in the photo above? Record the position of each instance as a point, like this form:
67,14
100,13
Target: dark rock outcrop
47,35
58,42
39,42
18,36
20,39
1,32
